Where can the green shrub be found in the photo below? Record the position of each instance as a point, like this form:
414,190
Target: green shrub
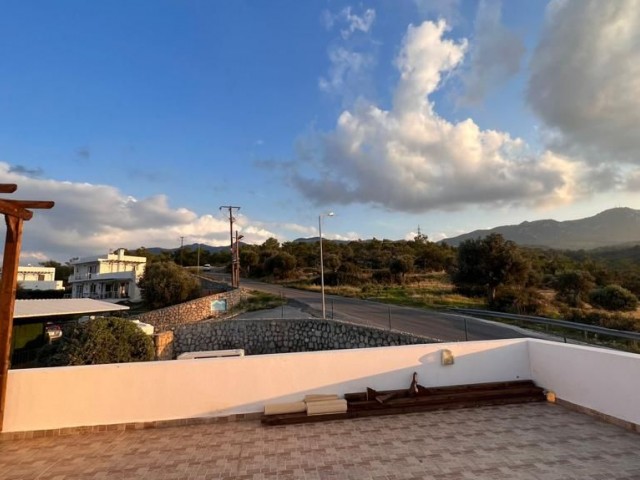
621,322
616,321
614,297
165,283
579,315
98,341
523,301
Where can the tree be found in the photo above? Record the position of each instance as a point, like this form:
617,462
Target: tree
331,262
165,283
102,340
63,272
280,265
490,262
401,266
248,260
614,297
573,286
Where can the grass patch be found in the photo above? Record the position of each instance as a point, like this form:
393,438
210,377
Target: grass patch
434,291
261,301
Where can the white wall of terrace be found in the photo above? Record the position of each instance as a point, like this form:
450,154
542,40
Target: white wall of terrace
599,379
50,398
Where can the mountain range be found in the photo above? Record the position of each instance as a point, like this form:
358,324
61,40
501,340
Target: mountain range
617,226
613,227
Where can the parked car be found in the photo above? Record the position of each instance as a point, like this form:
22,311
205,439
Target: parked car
52,331
206,267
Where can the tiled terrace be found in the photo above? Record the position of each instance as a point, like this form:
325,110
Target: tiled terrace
534,441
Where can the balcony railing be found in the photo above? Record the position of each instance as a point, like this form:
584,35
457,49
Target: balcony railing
129,274
103,296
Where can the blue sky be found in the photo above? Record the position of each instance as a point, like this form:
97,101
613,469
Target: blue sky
141,118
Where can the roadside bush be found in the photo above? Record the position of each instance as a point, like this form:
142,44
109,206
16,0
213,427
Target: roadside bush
523,301
579,315
281,265
98,341
382,276
616,321
621,322
165,283
614,297
572,286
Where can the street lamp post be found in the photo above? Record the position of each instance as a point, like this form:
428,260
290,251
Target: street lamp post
330,214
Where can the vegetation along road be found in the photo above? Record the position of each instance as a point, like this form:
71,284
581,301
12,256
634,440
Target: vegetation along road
430,323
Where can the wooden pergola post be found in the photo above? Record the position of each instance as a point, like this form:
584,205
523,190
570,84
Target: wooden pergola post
15,213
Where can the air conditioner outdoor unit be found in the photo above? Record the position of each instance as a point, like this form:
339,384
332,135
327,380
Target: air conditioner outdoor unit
238,352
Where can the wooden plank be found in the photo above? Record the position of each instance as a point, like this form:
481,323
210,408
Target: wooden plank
441,398
291,419
8,187
474,387
512,392
8,286
40,204
8,207
360,396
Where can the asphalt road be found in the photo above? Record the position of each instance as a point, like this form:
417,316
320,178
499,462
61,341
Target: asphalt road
430,323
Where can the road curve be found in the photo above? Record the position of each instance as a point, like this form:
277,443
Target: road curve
439,325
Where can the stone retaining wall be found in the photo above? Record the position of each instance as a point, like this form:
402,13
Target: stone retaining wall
163,343
192,311
281,336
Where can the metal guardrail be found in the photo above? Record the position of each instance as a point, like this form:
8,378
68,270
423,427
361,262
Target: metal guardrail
582,327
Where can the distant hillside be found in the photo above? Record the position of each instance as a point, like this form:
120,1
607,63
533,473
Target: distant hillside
317,239
203,248
611,227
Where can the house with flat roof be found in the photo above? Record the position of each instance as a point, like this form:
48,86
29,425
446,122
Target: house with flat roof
38,278
113,277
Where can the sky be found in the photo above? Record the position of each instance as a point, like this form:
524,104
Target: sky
141,118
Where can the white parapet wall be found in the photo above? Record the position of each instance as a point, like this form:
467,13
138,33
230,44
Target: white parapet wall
597,379
53,398
602,380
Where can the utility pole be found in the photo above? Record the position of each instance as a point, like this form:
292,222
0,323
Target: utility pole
236,259
231,208
181,250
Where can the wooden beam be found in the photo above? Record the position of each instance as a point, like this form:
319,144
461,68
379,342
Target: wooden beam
9,208
41,204
8,286
8,187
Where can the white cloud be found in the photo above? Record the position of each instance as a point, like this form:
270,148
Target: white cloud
346,71
357,23
411,159
92,219
348,237
352,22
495,54
585,79
296,228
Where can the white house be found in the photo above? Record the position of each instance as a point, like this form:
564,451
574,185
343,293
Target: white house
112,278
38,278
